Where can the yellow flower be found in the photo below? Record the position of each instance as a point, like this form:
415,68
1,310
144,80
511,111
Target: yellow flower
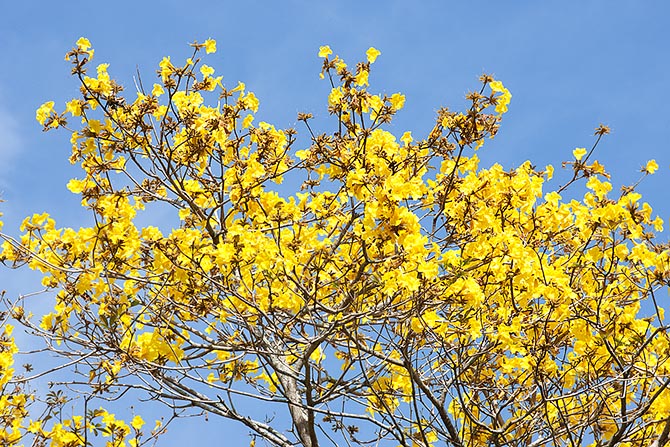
417,325
658,224
362,78
651,167
504,99
77,186
382,198
372,54
166,68
579,153
83,44
35,426
246,122
317,355
157,90
108,418
210,46
44,111
206,70
239,88
251,102
335,97
397,101
406,138
340,64
496,86
325,51
600,188
137,422
549,169
73,107
552,197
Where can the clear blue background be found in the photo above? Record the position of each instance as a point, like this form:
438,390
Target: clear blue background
570,65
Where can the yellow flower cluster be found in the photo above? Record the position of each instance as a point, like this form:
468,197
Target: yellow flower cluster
401,280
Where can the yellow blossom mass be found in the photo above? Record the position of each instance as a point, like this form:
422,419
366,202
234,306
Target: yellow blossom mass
367,284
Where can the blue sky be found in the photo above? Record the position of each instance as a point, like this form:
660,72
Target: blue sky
569,65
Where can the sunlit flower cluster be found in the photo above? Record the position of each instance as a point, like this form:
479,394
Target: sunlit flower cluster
398,281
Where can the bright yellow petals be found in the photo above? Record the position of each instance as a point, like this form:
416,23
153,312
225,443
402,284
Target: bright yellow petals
83,44
317,356
385,260
579,153
335,97
650,167
340,64
497,86
166,68
552,197
206,70
406,138
372,54
397,101
417,325
74,107
375,103
78,186
599,187
251,102
102,70
658,224
325,51
549,170
44,111
239,88
137,423
246,122
35,426
157,90
362,78
210,46
503,99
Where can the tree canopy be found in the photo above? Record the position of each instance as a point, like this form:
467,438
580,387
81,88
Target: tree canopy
334,287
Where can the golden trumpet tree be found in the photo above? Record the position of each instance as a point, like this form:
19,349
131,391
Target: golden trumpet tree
398,294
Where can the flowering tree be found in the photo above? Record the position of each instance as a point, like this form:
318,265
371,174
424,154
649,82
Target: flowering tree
402,296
